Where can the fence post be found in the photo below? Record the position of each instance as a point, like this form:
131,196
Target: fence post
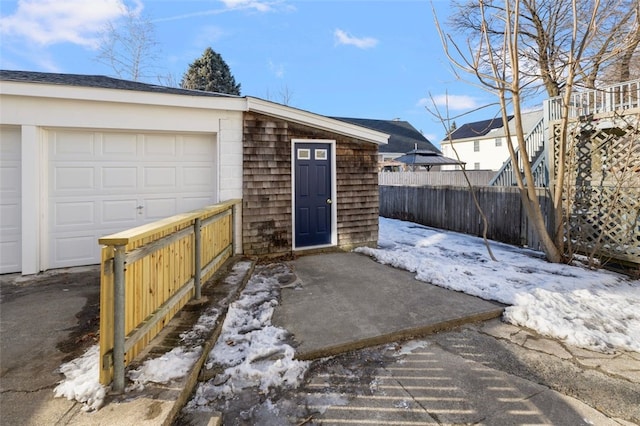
234,215
118,318
197,274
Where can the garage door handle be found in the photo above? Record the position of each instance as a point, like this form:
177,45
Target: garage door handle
139,208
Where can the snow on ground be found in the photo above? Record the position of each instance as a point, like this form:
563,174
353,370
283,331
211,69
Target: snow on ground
251,352
597,310
81,382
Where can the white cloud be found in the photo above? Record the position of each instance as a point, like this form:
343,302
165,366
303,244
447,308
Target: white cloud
276,69
452,102
343,37
232,5
260,6
47,22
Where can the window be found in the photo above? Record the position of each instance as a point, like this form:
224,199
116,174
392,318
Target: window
498,141
476,166
304,154
320,154
476,146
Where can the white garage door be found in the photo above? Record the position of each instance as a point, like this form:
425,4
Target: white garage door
105,182
10,200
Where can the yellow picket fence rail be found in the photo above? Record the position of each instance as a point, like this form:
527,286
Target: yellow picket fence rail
150,272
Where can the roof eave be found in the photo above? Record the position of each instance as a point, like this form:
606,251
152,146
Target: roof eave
315,120
85,93
242,104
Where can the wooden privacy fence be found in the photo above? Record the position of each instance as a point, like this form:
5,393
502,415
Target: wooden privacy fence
150,272
436,178
452,208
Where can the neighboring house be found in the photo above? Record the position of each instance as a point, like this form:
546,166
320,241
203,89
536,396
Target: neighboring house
403,137
87,156
482,145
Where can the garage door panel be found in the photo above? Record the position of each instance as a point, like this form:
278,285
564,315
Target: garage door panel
159,146
10,179
120,178
159,208
119,144
10,200
196,178
120,212
11,251
197,148
75,145
10,218
75,250
193,203
129,179
71,179
160,177
73,213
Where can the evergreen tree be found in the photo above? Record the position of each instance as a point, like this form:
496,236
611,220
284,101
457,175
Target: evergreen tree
210,73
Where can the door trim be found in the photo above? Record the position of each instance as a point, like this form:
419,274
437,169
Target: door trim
334,198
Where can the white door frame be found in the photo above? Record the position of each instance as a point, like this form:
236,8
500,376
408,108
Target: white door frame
334,198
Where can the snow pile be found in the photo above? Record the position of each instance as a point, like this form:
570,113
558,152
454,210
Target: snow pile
81,381
250,352
597,310
172,365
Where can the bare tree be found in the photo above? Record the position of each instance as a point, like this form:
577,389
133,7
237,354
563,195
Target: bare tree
449,126
130,47
563,38
284,95
546,34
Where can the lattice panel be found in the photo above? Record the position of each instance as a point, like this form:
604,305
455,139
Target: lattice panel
602,187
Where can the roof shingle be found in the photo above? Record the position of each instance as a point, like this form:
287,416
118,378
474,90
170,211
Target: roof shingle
476,129
99,81
403,137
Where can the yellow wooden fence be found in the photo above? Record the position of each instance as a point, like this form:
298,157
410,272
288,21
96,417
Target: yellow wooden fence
150,272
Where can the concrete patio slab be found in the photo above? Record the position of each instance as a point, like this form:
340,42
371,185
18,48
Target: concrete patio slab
347,301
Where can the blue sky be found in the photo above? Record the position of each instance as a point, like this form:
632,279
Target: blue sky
367,59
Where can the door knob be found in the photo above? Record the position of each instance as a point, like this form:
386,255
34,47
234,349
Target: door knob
329,201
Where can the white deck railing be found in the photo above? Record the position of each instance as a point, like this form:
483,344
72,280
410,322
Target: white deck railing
620,96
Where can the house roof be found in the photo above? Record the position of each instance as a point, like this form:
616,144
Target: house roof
403,137
529,121
476,129
422,157
99,88
99,81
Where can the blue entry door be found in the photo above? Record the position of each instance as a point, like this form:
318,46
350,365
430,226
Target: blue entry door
312,194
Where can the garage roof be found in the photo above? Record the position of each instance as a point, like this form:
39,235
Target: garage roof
51,82
99,81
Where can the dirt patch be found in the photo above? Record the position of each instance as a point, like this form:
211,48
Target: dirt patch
86,333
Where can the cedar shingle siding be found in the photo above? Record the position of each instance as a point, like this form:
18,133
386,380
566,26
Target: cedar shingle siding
267,186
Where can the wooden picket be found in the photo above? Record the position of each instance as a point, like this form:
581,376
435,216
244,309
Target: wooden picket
452,208
160,275
436,178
